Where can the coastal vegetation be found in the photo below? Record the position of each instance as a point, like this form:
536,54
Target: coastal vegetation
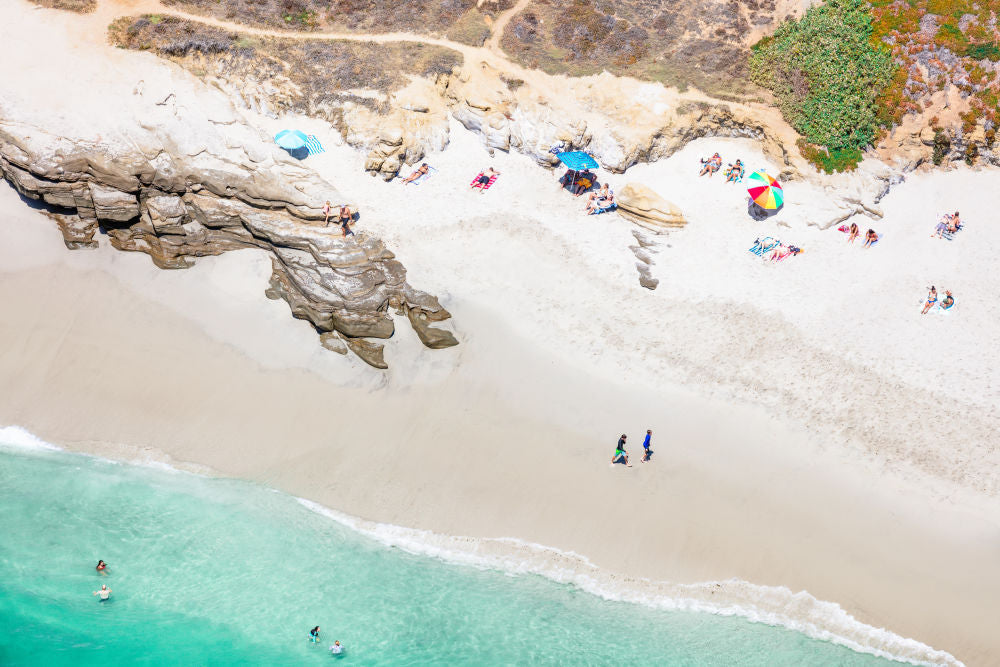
78,6
940,44
464,20
828,75
699,44
320,70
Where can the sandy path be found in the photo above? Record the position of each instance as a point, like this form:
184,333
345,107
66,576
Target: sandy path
498,27
490,55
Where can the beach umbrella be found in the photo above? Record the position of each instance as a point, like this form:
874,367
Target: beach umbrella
765,191
577,160
290,140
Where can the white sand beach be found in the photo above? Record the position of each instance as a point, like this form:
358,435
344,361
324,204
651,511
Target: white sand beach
812,431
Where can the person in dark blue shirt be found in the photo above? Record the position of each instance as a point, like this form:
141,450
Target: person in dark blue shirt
645,446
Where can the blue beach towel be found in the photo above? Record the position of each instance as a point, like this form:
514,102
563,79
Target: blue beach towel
951,235
604,209
766,244
313,145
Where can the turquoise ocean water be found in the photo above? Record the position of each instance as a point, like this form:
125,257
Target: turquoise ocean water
223,572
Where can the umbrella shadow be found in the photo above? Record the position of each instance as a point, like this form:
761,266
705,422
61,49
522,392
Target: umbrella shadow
300,153
759,213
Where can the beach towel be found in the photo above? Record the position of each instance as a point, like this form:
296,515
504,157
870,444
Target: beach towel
944,311
475,182
423,177
792,252
313,145
766,244
604,209
951,235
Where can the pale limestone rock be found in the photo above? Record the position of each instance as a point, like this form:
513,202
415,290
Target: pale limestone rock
641,205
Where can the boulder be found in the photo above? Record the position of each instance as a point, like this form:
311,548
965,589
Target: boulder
641,205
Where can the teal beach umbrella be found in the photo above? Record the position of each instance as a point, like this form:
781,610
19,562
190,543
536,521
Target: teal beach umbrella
290,140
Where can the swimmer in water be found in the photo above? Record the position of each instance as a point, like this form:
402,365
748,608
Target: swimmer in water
102,567
337,648
314,635
105,593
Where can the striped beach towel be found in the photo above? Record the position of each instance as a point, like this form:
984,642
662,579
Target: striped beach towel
475,182
766,244
313,145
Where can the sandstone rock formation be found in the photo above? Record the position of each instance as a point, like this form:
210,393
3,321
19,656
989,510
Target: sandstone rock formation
641,205
175,203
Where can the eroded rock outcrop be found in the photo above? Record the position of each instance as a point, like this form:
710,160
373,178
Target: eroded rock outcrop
175,201
644,207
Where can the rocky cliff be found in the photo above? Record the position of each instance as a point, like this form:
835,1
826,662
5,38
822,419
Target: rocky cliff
175,198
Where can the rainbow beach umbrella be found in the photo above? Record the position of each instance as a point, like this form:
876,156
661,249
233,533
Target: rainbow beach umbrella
765,191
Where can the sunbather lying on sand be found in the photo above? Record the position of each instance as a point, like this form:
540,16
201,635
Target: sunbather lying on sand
417,173
712,165
484,179
783,251
948,301
735,172
931,300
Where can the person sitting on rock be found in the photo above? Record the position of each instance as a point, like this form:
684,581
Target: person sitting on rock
712,165
417,173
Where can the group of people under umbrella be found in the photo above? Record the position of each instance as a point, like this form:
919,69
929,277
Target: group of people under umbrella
766,194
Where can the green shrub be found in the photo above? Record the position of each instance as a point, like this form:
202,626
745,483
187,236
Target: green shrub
828,160
942,144
828,73
989,51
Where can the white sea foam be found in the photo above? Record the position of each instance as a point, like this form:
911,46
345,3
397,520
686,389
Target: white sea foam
771,605
15,436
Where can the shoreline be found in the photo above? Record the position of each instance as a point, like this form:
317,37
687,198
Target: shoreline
797,515
820,620
812,431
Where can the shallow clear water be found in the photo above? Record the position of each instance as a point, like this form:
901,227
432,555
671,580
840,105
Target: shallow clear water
224,572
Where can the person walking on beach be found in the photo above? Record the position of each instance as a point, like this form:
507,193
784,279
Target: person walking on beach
314,635
102,567
647,452
620,453
104,593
